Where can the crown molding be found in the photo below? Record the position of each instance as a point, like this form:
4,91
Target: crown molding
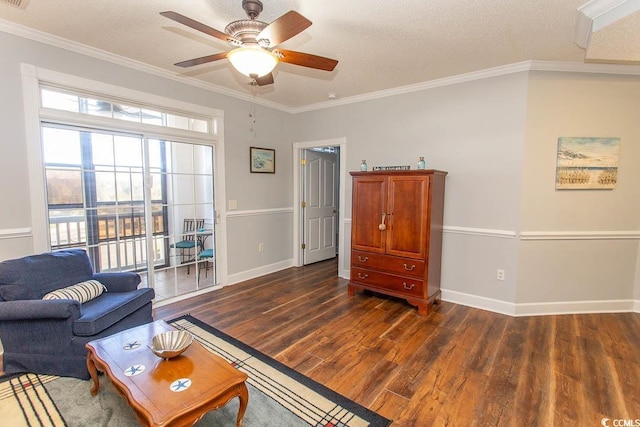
597,14
49,39
431,84
556,66
525,66
590,68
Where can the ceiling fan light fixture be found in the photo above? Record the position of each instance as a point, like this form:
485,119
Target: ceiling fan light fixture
253,60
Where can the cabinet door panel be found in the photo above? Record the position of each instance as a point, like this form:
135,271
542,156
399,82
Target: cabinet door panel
369,202
408,231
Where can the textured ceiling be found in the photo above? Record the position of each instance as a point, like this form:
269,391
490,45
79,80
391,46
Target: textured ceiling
380,45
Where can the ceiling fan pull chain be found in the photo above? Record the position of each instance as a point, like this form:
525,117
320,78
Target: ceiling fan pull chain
252,110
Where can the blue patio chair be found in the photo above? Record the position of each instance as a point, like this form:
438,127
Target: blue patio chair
207,256
189,241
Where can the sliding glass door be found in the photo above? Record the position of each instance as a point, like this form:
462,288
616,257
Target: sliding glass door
127,199
186,171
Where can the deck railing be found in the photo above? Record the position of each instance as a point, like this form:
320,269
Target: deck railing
121,241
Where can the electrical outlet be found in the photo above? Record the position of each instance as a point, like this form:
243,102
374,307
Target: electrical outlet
500,274
260,247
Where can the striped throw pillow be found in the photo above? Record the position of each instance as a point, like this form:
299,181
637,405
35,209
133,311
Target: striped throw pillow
81,292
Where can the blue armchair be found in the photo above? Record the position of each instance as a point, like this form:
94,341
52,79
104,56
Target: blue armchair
48,336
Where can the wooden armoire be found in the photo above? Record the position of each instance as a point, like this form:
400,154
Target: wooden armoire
396,234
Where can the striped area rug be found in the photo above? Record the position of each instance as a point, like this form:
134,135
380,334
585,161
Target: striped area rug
24,401
276,393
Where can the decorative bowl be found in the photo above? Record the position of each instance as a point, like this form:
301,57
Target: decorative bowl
170,344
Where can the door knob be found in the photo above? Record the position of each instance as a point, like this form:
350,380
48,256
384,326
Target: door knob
382,225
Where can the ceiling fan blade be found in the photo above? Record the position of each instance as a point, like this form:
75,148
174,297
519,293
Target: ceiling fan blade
267,79
202,60
175,16
306,59
283,28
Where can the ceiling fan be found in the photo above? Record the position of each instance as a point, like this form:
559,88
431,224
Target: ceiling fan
255,54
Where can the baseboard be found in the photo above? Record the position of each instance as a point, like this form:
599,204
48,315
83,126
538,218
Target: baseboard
475,301
257,272
541,308
574,307
345,274
167,301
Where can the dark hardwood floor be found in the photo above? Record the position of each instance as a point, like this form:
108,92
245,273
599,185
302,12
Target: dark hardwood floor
458,366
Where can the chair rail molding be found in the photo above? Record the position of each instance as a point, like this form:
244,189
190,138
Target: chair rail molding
544,235
259,212
15,233
580,235
504,234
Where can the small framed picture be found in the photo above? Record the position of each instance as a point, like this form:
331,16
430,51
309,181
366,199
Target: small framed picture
263,160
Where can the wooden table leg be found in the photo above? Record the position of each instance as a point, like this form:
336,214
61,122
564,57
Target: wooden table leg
91,366
244,400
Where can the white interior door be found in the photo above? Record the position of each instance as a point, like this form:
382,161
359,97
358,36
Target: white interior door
319,214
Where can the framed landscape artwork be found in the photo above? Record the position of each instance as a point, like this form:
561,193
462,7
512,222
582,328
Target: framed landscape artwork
263,160
587,163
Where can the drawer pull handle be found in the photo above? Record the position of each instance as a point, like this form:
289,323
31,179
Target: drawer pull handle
362,259
362,276
413,267
408,287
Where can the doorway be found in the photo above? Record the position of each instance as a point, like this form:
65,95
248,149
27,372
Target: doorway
319,203
301,150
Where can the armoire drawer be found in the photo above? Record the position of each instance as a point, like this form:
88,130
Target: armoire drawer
393,264
390,282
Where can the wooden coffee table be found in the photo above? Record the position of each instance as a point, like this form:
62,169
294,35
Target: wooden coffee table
176,392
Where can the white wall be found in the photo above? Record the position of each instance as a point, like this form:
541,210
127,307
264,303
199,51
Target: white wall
496,137
474,131
252,191
603,267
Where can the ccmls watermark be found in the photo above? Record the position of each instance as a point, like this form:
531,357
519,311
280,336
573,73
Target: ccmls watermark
619,422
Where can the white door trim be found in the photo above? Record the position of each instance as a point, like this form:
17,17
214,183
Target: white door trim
32,76
297,181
